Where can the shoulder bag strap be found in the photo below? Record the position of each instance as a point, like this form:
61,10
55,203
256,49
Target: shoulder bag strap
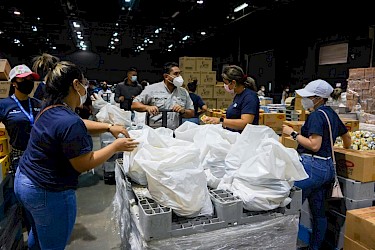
47,108
331,139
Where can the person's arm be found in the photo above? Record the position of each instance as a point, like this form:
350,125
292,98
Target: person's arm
347,140
99,127
203,109
237,124
118,93
140,107
93,159
313,142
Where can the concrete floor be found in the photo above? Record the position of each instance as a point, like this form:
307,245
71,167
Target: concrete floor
95,227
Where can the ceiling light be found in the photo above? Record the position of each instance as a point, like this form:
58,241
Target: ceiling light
150,41
38,18
169,50
53,47
115,34
241,7
34,28
203,33
175,14
185,38
76,25
1,32
116,40
16,12
170,46
127,1
200,2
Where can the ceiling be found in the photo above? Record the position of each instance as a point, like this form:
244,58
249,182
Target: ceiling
138,20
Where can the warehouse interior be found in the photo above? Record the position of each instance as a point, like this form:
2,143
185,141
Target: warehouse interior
281,44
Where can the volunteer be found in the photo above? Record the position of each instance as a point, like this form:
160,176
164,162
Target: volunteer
58,151
18,111
245,106
167,94
314,147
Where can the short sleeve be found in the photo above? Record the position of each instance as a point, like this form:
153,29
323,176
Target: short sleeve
316,124
75,140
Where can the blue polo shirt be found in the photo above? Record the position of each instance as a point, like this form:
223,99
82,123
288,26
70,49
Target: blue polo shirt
316,123
245,103
16,122
57,136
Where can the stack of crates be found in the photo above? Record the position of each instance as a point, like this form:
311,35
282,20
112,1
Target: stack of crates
356,195
155,221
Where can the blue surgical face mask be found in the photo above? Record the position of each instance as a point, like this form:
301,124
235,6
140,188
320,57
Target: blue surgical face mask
134,78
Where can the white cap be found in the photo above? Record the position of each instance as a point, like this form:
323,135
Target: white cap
316,88
22,71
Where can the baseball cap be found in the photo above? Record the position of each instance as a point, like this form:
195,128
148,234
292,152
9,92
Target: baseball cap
316,88
22,71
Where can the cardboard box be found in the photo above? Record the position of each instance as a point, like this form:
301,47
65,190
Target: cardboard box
350,244
296,125
208,78
4,70
4,89
223,103
288,142
274,121
266,100
261,119
204,64
205,91
357,73
4,166
360,226
219,91
3,131
369,72
210,102
187,63
298,102
189,76
4,147
351,125
355,165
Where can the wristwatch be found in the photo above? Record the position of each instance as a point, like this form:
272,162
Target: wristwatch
109,127
294,135
221,120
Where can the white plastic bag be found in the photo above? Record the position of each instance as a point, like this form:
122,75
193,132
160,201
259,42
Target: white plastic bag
115,115
172,172
260,170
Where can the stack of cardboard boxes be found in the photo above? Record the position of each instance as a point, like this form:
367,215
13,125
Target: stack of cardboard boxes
211,91
361,89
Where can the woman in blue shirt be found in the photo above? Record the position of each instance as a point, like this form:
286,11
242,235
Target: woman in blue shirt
245,107
18,111
314,146
58,151
199,106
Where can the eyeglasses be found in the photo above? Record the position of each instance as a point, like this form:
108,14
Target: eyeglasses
229,81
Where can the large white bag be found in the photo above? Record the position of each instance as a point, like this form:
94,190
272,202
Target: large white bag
115,115
260,170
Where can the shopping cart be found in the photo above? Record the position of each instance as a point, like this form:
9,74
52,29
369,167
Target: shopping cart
164,118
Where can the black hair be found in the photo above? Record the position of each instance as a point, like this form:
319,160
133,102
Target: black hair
168,67
131,69
192,86
59,80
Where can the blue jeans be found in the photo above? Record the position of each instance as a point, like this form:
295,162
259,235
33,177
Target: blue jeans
321,173
52,214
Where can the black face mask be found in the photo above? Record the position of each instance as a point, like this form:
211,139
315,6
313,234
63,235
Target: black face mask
26,86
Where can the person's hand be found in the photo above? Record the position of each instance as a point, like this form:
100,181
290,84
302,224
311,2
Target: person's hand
177,108
287,129
152,110
117,129
121,98
125,144
210,120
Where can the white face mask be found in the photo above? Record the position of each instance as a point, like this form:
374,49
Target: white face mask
134,78
178,81
263,89
307,103
82,98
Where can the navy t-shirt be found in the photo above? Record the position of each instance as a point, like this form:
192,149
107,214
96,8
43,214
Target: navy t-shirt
245,103
198,103
316,123
16,122
57,136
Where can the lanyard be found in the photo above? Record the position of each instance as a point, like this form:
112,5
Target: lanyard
30,115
